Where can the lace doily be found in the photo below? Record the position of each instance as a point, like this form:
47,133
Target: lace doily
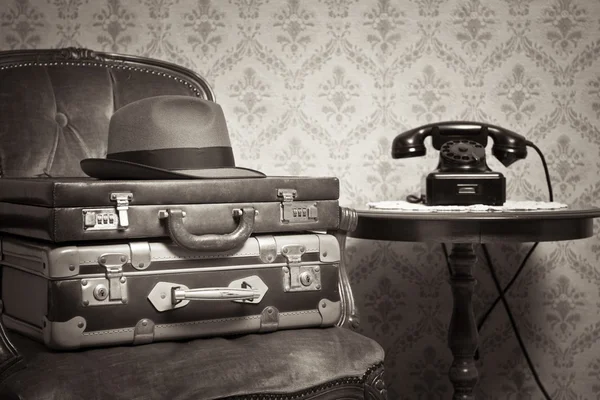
507,206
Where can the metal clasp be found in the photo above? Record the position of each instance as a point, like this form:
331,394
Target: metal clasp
298,277
296,211
110,290
122,200
117,283
288,195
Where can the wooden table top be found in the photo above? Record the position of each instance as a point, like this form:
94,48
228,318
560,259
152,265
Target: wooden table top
476,227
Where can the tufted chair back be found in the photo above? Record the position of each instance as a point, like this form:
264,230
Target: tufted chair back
61,102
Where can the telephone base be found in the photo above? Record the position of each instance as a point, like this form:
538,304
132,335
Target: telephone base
462,189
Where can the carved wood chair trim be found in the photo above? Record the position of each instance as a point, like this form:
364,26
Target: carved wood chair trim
375,388
350,315
369,386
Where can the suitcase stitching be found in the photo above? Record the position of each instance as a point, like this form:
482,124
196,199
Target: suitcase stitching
195,257
108,332
220,256
85,262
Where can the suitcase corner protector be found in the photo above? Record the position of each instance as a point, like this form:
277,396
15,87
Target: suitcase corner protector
63,335
329,248
330,311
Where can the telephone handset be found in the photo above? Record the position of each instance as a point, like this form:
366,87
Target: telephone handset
462,176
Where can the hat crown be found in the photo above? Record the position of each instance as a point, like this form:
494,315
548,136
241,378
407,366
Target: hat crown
167,122
168,137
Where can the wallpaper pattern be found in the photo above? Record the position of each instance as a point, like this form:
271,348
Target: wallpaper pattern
321,87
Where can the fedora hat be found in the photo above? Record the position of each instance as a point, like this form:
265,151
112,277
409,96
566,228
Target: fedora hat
168,137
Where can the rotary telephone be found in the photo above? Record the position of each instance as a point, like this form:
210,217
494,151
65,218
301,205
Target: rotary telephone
462,176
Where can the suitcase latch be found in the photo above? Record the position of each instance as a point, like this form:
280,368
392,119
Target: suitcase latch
109,290
122,200
298,277
102,219
296,211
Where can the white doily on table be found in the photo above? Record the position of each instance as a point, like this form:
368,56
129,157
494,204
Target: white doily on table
508,206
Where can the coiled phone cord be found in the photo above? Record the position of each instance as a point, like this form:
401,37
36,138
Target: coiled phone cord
502,292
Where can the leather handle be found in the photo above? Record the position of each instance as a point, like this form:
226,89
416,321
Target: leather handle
210,242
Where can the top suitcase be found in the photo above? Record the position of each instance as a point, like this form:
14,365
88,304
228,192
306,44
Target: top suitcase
187,211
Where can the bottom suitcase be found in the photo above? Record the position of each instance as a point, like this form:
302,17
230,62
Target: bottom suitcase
139,292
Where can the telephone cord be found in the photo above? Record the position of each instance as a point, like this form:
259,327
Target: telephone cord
502,292
522,266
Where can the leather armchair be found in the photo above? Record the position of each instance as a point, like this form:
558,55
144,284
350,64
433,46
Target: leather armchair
55,106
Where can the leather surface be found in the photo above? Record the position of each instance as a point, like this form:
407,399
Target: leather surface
66,224
61,192
202,369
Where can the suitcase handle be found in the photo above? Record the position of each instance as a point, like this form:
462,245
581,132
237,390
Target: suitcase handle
210,242
249,289
214,294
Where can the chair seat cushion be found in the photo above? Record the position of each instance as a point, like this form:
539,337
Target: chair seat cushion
283,362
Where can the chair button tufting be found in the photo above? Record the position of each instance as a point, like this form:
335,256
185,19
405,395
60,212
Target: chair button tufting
61,119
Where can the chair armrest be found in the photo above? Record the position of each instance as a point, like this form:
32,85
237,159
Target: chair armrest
350,316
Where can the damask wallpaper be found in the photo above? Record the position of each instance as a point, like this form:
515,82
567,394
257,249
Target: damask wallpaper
321,87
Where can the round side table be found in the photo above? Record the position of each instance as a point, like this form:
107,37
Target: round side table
463,230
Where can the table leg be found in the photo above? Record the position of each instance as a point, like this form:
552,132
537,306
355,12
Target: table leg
462,334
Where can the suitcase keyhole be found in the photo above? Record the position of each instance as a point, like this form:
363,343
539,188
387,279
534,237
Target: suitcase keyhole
100,292
306,278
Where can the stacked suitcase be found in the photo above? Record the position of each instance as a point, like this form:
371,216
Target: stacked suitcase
91,262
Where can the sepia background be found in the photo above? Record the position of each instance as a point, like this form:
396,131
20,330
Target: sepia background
322,87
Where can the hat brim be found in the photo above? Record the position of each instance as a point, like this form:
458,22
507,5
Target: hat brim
102,168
